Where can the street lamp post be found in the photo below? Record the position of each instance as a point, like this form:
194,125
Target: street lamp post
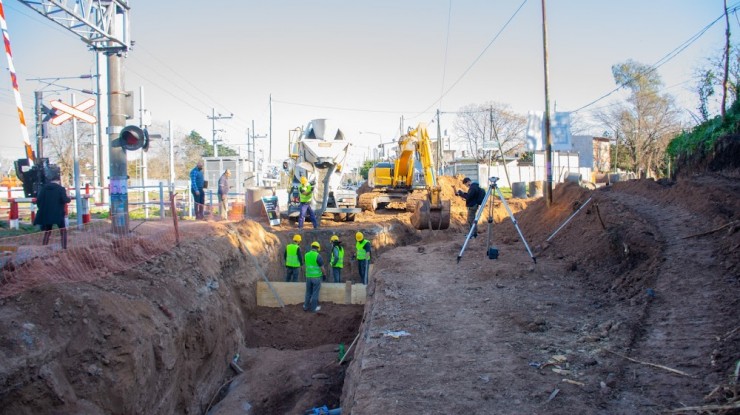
380,139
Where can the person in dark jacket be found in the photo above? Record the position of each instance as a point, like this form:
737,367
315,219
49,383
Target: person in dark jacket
223,194
473,198
50,202
197,183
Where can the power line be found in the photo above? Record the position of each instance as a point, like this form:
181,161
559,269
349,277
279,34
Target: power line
465,72
662,61
447,45
335,108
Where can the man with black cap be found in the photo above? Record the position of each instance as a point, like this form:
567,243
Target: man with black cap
473,198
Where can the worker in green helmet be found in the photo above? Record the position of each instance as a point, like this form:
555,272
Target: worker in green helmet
293,259
362,253
337,258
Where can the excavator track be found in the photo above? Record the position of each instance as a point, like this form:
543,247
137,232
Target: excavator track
426,217
368,202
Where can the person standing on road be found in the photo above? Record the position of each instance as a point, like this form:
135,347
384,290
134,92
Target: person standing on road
293,259
305,191
314,274
50,202
196,187
473,198
362,253
337,258
223,194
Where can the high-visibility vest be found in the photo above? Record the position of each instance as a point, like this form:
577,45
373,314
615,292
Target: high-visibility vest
313,270
340,258
291,257
361,252
306,193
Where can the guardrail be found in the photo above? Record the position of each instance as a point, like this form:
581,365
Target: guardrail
153,200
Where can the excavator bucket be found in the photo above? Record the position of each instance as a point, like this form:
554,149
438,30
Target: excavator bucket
426,216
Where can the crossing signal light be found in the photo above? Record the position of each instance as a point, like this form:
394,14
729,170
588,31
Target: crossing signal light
133,138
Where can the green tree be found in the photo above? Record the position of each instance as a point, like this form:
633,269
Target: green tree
646,122
366,166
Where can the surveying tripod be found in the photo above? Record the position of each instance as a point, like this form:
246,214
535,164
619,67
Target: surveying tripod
491,251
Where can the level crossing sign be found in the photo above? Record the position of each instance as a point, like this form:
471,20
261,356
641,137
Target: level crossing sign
68,112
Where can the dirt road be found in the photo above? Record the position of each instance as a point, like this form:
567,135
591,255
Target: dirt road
631,317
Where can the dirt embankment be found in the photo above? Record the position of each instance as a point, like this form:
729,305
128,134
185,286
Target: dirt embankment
159,338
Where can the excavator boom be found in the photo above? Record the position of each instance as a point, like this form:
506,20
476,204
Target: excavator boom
429,210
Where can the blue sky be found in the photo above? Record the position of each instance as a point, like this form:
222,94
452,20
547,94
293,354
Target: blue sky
362,64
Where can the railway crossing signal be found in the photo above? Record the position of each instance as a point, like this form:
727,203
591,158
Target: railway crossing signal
133,138
78,111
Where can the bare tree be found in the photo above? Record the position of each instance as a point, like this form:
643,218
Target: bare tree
647,121
477,123
59,148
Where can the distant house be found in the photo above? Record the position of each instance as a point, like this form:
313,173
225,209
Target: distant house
593,152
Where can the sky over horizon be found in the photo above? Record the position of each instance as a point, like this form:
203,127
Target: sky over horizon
362,64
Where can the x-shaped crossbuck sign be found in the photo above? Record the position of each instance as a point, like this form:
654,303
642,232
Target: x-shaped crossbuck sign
77,111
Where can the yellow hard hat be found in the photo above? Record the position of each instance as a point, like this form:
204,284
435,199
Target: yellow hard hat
296,238
333,238
304,180
359,236
316,245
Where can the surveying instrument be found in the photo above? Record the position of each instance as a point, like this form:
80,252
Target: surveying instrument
491,251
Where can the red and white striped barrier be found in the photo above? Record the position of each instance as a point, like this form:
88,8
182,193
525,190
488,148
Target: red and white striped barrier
13,217
14,80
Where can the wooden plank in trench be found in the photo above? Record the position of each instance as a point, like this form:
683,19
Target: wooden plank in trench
295,292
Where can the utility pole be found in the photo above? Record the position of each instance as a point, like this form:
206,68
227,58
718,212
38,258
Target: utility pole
172,156
103,165
213,119
269,153
548,138
38,95
76,168
439,146
144,121
254,153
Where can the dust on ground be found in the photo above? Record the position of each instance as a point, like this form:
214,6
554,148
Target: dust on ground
631,308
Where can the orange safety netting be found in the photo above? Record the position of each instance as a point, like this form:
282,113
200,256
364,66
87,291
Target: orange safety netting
94,250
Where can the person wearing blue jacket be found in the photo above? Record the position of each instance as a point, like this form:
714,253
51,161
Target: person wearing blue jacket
196,188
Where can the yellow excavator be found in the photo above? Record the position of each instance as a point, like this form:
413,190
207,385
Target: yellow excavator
397,182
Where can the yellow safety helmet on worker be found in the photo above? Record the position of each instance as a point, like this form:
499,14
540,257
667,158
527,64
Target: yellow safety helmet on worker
334,238
297,238
316,245
359,236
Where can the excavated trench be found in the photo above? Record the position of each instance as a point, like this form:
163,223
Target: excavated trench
291,358
183,333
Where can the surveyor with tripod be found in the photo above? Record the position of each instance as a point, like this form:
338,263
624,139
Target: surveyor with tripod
473,199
